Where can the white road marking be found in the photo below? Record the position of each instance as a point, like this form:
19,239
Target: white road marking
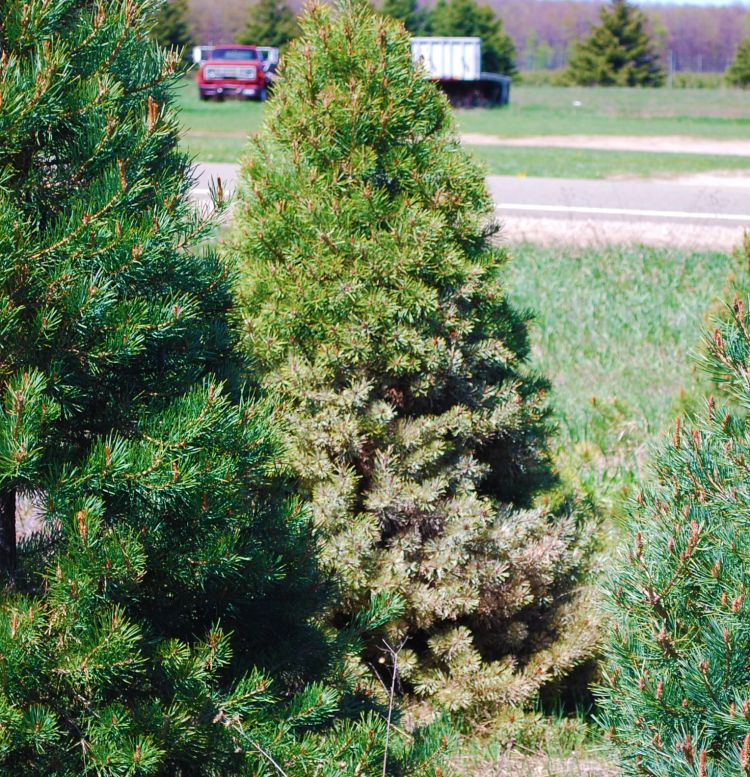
672,214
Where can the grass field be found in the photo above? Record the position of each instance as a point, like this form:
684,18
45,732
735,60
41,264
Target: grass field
550,110
583,163
614,331
217,132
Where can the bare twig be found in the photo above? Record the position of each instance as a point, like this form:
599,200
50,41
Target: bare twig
393,652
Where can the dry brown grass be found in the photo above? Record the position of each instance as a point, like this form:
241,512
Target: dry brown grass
517,764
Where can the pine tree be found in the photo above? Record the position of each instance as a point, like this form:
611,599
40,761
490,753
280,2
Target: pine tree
270,23
738,73
374,309
408,12
171,27
677,684
160,619
618,52
468,18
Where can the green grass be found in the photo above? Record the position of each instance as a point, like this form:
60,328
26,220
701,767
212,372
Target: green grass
585,163
614,331
217,132
549,110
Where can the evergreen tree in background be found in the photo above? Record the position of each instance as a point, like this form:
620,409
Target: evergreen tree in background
408,12
738,73
171,26
157,616
618,52
270,23
676,699
466,18
374,309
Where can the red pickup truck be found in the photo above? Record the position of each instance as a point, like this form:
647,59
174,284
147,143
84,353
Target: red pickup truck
233,71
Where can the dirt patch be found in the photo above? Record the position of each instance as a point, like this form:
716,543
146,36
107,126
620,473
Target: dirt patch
673,144
595,232
522,765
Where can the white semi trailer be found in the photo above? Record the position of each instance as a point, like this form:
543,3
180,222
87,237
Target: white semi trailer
456,65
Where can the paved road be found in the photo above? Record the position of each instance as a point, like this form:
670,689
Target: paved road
703,212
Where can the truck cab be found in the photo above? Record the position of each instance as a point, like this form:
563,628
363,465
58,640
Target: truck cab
233,71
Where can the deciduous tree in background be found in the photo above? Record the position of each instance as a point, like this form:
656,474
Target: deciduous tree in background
675,700
373,307
738,73
618,52
160,620
270,23
469,18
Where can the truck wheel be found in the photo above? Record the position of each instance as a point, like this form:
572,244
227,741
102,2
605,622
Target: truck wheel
263,95
203,97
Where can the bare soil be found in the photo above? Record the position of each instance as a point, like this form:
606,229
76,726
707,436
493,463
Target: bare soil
594,232
516,764
659,144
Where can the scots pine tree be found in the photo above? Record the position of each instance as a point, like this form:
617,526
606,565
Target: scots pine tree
618,52
157,616
373,308
738,73
676,697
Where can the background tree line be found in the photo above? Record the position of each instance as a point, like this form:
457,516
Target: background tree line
700,38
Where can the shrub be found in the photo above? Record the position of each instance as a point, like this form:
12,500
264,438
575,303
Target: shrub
675,700
373,308
160,620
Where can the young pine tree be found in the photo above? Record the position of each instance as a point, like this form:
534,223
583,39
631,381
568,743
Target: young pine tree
618,52
373,307
738,73
676,698
158,621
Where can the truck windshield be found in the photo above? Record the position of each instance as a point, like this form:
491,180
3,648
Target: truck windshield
234,54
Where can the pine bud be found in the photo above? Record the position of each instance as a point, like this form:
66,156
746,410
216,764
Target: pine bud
702,765
737,603
678,429
745,753
659,690
152,113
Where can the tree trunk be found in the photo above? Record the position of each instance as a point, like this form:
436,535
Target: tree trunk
8,533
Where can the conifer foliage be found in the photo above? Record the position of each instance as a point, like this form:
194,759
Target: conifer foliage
171,28
738,73
159,620
469,18
618,52
373,308
677,694
270,23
